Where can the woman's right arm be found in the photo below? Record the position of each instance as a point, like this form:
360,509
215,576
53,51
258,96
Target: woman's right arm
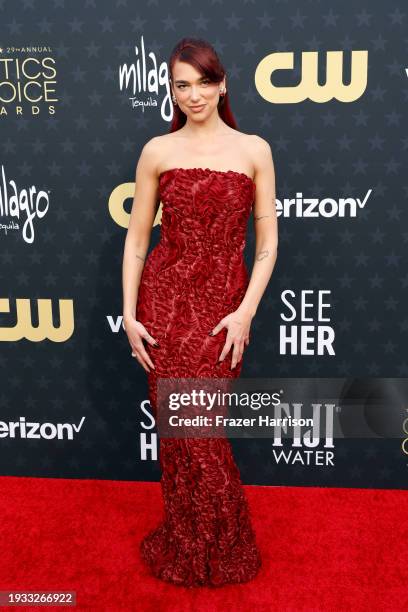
138,235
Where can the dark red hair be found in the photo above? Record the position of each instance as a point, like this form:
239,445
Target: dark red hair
203,57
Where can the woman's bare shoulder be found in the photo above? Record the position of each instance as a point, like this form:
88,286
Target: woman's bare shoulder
260,149
257,141
156,147
156,142
255,144
152,153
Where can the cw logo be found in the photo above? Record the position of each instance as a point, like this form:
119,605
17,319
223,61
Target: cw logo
404,444
45,329
116,205
309,86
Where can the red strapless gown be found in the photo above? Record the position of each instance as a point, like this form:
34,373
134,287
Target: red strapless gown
193,278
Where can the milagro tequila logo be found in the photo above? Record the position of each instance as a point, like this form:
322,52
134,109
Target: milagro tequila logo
145,77
27,81
21,205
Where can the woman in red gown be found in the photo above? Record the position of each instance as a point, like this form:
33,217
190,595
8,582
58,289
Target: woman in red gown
195,302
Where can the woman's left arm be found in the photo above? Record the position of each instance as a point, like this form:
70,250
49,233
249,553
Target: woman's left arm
266,227
238,322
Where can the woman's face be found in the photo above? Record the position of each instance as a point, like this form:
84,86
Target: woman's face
192,89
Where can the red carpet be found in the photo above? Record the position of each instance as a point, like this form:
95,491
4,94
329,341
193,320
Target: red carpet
323,549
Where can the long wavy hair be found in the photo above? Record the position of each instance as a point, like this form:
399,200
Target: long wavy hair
203,57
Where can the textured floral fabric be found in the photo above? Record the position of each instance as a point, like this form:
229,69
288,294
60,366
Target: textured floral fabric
194,277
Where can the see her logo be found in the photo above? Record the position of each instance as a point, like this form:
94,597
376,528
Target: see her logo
310,335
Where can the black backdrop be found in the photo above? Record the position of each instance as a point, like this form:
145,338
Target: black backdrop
67,170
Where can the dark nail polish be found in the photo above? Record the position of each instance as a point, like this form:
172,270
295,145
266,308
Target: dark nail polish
210,333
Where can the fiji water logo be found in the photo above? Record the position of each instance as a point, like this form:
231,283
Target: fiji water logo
311,445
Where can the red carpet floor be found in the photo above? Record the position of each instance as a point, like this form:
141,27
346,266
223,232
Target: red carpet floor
323,549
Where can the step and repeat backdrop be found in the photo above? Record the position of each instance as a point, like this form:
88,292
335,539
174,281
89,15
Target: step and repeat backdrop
83,86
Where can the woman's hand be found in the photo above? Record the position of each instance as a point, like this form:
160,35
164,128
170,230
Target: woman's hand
238,324
136,332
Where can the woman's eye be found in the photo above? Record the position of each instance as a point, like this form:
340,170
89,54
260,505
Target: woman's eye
206,82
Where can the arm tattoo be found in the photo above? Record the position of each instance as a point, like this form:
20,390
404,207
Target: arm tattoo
261,217
262,255
139,257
